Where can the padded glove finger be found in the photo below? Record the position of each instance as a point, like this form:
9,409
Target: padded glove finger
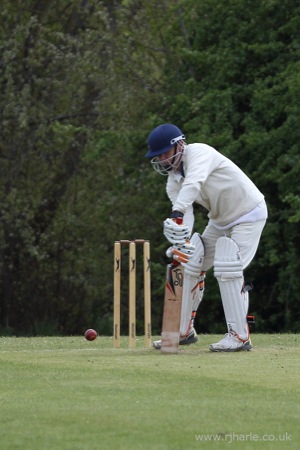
169,252
182,253
176,234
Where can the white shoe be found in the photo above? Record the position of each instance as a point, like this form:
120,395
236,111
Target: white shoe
192,338
231,343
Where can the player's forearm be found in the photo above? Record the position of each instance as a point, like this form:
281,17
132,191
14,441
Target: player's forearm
186,197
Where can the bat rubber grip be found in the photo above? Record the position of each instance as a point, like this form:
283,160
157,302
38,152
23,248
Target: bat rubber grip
178,220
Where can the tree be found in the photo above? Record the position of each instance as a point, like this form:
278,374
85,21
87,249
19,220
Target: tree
67,90
236,86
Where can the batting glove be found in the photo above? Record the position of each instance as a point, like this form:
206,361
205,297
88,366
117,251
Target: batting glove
176,234
182,253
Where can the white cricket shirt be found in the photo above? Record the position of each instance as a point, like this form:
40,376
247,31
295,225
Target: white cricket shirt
215,182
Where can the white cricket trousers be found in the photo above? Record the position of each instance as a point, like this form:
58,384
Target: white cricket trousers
246,235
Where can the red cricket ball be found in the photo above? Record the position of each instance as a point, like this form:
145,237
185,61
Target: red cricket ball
90,334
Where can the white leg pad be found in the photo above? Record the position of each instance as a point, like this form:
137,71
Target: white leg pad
193,286
228,270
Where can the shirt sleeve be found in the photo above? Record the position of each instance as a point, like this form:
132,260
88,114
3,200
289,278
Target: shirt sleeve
200,160
173,189
188,218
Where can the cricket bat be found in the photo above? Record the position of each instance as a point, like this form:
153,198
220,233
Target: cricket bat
172,308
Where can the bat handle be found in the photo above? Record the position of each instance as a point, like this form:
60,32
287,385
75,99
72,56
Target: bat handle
179,221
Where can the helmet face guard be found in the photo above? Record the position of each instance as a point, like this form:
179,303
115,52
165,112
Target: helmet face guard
172,163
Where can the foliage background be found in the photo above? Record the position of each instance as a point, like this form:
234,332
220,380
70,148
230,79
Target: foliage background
82,84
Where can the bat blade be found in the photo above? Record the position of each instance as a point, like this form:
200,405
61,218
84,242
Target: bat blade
172,309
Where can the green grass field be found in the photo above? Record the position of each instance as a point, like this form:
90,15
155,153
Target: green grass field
65,393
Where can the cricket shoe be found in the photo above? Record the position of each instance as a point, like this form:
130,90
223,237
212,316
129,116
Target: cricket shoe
230,343
191,338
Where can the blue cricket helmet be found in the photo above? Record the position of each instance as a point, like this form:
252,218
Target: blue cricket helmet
162,138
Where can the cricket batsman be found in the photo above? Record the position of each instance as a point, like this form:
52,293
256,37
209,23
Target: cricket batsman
237,213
